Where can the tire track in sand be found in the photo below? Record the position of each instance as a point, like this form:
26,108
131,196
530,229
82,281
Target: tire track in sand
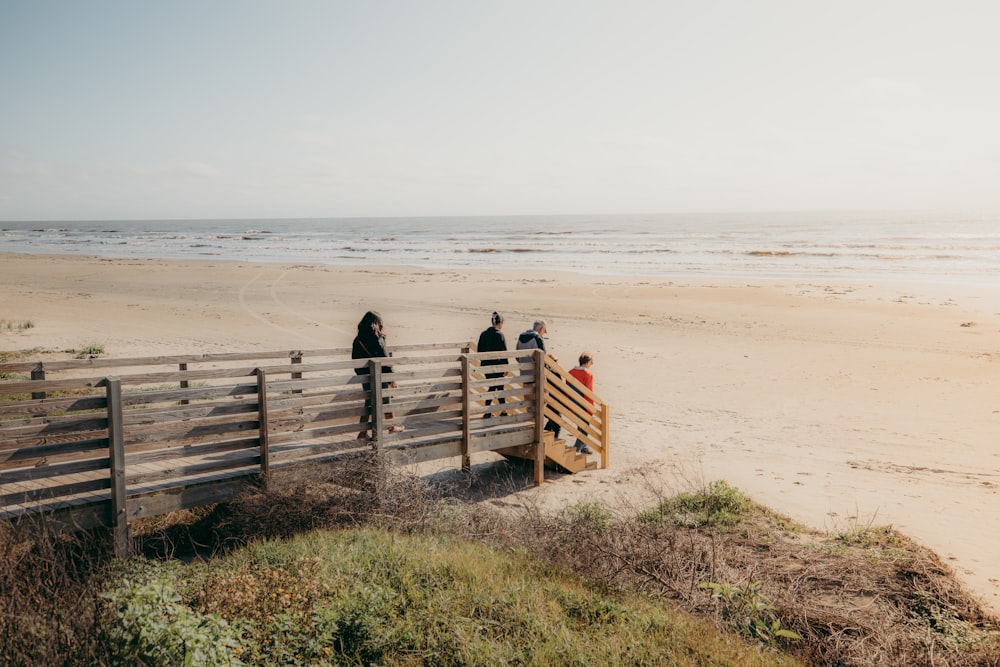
258,301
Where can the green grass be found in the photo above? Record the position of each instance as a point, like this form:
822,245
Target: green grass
369,596
719,505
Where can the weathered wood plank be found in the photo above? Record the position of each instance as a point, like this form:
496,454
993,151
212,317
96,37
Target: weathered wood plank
340,386
27,443
176,474
51,386
333,432
27,496
186,434
318,451
191,394
41,472
172,500
200,412
430,452
50,453
46,406
173,360
53,426
172,452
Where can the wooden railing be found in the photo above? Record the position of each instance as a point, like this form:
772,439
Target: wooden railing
109,441
566,404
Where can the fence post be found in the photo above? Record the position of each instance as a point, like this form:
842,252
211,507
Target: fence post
184,383
262,428
116,446
38,374
605,435
296,356
466,416
377,416
539,416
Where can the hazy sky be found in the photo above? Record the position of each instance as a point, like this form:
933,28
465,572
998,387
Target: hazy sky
291,108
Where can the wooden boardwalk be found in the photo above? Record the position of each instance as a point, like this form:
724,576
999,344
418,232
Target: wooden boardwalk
110,441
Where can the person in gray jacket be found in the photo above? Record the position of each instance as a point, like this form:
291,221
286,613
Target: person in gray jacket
532,340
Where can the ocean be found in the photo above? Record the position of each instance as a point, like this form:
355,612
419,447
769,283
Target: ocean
923,246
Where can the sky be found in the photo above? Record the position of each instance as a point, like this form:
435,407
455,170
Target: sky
297,108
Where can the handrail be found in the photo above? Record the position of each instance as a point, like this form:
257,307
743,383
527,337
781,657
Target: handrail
565,406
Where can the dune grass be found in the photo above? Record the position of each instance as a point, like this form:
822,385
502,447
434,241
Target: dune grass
371,596
15,325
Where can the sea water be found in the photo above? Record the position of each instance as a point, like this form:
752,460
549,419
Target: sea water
903,246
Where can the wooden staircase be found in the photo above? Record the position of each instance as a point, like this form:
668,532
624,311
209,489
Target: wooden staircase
559,454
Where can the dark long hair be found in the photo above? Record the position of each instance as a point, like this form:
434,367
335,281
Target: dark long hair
369,323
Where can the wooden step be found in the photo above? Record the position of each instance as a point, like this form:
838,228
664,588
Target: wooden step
559,454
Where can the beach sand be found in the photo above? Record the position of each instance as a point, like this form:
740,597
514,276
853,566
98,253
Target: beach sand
837,403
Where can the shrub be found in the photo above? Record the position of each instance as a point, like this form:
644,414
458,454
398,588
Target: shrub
151,626
719,505
89,351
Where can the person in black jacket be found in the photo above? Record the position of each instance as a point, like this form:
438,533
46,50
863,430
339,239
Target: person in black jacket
532,340
493,340
368,344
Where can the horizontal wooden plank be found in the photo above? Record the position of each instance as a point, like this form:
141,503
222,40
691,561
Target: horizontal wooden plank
54,427
56,452
316,451
200,411
424,347
45,406
493,441
179,470
87,385
292,425
346,385
288,401
42,472
161,377
331,432
419,406
185,433
53,492
421,375
192,359
214,449
171,500
197,393
431,452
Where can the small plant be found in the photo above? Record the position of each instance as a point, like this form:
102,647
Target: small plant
89,351
152,626
592,516
746,609
720,505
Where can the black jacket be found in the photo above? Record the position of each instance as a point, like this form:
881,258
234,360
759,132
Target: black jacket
369,346
492,340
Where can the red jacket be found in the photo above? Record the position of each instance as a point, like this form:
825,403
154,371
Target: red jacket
585,377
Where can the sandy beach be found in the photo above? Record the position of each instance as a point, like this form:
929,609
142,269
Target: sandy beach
831,402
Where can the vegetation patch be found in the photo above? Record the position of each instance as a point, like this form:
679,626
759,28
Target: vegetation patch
364,565
88,351
7,326
718,505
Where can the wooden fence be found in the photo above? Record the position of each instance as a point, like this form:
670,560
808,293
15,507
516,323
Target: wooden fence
110,441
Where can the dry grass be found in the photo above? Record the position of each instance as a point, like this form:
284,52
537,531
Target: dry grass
865,596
